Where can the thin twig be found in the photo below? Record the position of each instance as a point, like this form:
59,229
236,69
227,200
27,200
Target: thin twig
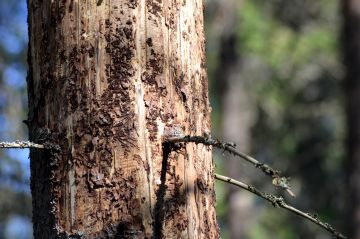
229,147
278,181
22,145
280,202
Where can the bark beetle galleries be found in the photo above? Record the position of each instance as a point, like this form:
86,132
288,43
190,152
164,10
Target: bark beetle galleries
108,78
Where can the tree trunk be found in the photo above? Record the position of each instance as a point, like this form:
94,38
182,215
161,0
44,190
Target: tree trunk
236,112
351,44
107,80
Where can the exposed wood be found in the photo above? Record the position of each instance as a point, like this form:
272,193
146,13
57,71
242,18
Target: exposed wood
108,79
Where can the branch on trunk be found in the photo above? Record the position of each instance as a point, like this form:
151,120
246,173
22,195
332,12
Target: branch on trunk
229,147
278,181
280,202
27,144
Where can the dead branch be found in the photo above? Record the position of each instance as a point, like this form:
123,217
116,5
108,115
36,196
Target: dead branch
278,181
21,145
17,144
280,202
229,147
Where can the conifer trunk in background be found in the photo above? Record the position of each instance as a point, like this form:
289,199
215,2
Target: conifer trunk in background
107,79
351,44
236,113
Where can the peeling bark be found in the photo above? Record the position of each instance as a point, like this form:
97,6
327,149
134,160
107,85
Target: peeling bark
106,80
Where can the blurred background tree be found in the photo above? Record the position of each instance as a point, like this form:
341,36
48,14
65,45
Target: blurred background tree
234,111
351,53
275,76
277,90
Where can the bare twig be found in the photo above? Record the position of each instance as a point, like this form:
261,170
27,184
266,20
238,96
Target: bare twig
278,181
229,147
280,202
22,145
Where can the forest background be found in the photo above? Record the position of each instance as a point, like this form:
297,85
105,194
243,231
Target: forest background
276,88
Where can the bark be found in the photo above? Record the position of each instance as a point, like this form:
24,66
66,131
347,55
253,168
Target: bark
351,44
107,80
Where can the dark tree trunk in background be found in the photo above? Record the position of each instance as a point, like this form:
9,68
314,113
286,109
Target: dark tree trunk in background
351,44
107,80
236,112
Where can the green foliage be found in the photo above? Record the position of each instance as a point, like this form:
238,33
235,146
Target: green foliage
265,36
